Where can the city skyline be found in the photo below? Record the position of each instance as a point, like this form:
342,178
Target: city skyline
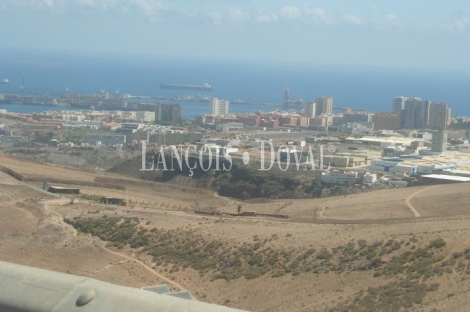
325,32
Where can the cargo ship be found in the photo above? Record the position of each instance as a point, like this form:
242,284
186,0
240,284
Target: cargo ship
205,87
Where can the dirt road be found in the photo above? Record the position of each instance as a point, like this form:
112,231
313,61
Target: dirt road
56,202
408,200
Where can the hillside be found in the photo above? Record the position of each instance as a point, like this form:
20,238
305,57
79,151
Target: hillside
241,181
361,252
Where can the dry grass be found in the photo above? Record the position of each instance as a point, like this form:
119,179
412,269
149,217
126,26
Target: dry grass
30,235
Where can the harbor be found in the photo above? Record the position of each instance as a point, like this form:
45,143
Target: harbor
108,101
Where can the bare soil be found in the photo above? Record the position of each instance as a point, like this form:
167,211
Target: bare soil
32,232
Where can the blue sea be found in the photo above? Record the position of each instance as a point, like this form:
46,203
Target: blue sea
370,88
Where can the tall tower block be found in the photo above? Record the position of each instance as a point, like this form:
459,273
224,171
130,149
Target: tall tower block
439,141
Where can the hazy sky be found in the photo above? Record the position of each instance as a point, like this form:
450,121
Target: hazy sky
390,33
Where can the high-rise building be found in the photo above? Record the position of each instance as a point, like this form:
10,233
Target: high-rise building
318,121
171,113
302,122
386,121
439,141
356,117
288,121
324,105
145,116
149,108
418,114
398,104
438,115
413,116
449,117
219,107
310,108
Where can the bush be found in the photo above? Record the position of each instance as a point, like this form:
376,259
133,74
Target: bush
393,296
278,273
437,243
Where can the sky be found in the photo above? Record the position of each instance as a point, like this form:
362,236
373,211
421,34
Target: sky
402,34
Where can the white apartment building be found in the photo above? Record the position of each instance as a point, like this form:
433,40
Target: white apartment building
219,107
370,178
339,177
143,116
310,109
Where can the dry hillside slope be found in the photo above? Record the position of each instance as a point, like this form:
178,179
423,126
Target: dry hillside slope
361,252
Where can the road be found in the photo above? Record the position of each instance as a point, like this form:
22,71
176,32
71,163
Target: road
56,202
408,200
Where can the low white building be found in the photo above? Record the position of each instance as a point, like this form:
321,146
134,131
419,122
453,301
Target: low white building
129,114
339,177
398,183
422,164
299,143
85,124
144,116
105,139
399,175
259,143
393,165
230,126
65,146
370,178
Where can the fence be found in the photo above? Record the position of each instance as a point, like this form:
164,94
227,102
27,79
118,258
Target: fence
12,173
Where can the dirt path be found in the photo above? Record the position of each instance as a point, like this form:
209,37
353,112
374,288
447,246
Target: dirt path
54,202
408,200
321,216
149,269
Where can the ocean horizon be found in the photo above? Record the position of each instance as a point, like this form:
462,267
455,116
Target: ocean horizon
369,88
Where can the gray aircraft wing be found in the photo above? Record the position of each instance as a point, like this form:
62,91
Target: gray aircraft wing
27,289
